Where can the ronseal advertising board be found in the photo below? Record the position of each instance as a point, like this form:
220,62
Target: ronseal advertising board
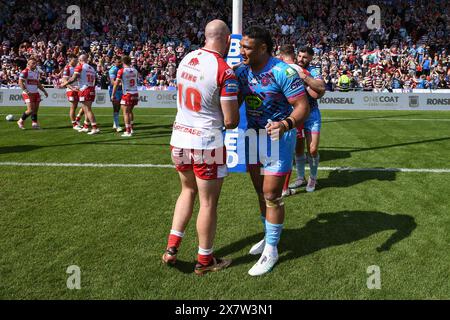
331,100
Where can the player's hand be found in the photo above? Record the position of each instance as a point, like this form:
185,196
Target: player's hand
302,75
46,94
275,129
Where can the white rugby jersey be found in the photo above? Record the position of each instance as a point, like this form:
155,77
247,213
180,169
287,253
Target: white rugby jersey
129,80
67,74
87,75
203,79
296,67
31,79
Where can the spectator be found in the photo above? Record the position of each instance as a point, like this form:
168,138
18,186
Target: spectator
158,39
344,82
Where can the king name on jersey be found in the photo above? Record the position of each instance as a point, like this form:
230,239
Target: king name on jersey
189,77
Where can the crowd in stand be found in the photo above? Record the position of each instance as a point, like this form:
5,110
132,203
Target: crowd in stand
410,50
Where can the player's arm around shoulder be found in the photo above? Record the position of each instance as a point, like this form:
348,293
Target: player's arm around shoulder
315,83
75,76
294,90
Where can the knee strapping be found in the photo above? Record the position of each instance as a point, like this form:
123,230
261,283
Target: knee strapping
278,202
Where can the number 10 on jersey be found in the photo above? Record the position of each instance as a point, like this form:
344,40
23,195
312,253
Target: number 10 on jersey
190,98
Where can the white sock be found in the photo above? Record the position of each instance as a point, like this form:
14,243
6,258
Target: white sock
271,251
205,252
177,233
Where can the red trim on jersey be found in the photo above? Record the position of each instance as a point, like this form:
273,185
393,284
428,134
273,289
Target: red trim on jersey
25,73
66,72
305,71
78,68
120,74
224,73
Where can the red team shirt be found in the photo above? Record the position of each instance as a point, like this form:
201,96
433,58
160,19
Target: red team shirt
129,80
86,81
203,79
67,74
130,95
31,79
72,95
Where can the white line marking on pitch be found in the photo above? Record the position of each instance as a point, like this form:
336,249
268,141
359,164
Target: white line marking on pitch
384,169
148,165
86,165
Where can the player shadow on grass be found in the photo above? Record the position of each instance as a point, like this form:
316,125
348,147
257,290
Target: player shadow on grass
333,154
329,230
17,149
370,117
345,179
186,267
138,127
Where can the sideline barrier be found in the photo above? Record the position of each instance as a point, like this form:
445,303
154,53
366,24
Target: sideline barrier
438,100
385,101
57,98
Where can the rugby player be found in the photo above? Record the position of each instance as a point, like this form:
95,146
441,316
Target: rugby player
117,97
315,88
72,92
275,100
127,80
207,102
85,74
29,83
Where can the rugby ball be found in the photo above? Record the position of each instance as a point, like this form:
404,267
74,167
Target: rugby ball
9,117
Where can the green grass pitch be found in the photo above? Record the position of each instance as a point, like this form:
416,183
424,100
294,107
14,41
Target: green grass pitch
113,222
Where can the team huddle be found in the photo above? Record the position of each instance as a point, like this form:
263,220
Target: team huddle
280,102
79,80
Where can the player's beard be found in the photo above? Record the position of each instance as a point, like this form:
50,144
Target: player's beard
305,66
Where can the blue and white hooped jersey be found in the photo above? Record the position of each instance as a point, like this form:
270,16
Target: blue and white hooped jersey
266,94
